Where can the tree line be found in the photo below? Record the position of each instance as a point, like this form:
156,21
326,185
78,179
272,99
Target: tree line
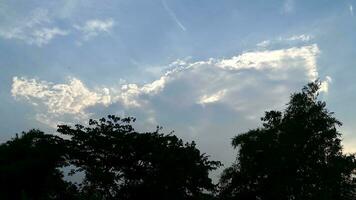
295,155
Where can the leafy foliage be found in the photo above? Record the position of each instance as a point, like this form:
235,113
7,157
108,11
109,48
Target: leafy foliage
120,163
29,168
295,155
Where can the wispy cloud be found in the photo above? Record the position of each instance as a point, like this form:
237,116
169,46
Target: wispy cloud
93,28
173,15
294,39
302,37
289,6
264,43
324,87
37,29
45,35
351,8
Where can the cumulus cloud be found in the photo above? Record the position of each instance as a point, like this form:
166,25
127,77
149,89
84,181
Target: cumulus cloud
93,28
58,103
204,100
74,98
70,98
276,59
276,65
34,30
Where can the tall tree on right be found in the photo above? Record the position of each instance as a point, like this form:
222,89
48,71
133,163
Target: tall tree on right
296,154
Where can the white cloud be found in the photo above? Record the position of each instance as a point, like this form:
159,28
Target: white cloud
72,98
302,37
204,101
264,43
276,59
39,28
291,40
36,29
324,87
93,28
206,82
75,98
45,35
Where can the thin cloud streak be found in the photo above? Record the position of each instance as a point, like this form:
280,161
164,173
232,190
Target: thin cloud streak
351,8
173,15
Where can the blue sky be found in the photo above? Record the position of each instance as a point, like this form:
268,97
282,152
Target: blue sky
206,69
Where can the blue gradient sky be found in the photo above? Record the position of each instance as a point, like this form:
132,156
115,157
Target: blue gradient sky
206,69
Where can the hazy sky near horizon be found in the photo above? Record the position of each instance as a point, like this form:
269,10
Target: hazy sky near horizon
206,69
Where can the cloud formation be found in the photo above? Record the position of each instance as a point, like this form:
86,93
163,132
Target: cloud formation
205,82
292,40
204,101
36,29
57,102
70,98
324,87
275,59
94,27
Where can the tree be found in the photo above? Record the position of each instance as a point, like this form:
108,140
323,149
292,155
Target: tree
30,168
120,163
296,154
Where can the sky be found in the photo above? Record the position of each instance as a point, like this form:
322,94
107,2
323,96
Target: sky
206,69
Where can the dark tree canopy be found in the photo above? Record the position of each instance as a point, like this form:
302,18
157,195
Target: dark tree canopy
120,163
295,155
29,168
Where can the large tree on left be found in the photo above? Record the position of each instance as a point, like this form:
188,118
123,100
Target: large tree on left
30,168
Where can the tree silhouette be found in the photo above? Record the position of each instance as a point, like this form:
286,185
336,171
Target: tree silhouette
30,168
295,155
120,163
